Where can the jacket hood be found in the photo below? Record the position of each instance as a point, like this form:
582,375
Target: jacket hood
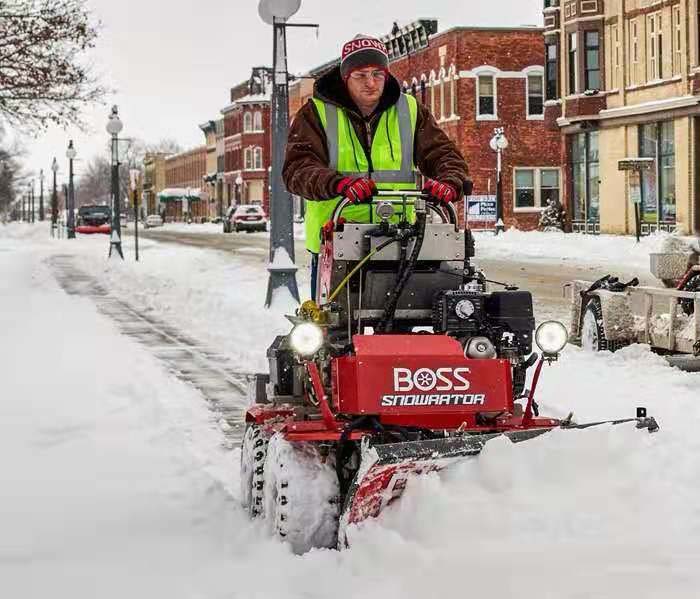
331,88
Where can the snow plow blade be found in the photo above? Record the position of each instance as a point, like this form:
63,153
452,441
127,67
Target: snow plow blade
384,469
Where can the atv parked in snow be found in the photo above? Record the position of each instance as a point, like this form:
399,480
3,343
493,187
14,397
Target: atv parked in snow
405,363
608,314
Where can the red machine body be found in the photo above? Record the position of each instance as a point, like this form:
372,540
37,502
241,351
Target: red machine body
402,378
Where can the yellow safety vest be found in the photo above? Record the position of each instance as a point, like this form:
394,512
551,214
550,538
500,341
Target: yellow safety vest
391,155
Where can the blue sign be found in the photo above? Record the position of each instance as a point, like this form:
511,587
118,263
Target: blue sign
481,208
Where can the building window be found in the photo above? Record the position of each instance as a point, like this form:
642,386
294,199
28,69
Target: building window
552,72
535,95
422,90
248,157
573,65
442,94
585,178
615,70
247,122
257,159
453,84
592,48
535,187
633,53
257,121
431,83
677,39
486,97
656,140
654,47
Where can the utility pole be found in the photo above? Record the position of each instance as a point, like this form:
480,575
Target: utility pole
31,197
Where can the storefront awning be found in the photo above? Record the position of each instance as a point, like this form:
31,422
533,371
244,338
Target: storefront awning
171,194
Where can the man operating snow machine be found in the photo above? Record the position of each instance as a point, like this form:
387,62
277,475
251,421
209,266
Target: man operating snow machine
359,134
351,407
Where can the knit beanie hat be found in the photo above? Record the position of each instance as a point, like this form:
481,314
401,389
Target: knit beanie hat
362,51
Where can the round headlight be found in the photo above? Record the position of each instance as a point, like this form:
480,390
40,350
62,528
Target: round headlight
464,308
551,337
306,339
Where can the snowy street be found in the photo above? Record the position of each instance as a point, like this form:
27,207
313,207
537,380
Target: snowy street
119,473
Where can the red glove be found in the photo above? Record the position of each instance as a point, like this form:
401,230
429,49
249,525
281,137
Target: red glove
440,191
358,190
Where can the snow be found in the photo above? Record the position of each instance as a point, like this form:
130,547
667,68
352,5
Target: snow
615,252
281,260
115,480
210,228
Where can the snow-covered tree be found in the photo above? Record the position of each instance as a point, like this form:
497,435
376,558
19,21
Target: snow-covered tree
552,217
43,76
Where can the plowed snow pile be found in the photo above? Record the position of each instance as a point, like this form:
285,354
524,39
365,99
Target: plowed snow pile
115,481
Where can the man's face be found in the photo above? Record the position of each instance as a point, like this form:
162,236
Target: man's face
366,85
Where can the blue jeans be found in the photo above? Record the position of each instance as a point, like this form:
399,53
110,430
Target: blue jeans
314,274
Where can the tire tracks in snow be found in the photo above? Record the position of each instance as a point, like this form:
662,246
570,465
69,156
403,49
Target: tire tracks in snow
199,365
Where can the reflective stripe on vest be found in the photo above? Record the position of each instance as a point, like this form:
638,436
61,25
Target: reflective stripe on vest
391,158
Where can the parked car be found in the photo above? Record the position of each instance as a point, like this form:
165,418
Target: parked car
246,217
153,220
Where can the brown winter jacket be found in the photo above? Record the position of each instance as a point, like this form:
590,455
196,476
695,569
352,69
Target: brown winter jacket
306,172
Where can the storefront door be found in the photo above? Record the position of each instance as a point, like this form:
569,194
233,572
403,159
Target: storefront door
585,177
656,140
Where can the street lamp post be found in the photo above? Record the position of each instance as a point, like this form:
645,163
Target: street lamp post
134,175
114,127
498,143
282,271
70,200
41,195
31,200
54,199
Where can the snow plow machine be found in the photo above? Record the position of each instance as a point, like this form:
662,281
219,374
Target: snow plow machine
405,363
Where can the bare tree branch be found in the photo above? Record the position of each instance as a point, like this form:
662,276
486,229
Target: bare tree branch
43,78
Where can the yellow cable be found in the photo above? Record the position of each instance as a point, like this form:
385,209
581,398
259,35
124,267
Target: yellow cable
344,282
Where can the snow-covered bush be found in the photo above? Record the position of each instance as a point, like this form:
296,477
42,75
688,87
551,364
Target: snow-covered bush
552,217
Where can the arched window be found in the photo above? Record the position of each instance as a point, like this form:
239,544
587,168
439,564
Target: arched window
257,159
257,121
247,122
422,88
431,83
442,93
248,154
414,87
404,87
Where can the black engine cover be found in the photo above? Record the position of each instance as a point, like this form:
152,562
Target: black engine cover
513,311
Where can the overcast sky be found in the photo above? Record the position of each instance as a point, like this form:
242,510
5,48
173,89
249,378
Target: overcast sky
172,63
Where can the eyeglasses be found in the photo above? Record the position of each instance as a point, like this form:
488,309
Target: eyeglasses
376,75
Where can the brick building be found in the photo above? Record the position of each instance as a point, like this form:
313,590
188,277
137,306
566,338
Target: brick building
185,193
623,81
153,180
475,80
211,178
247,142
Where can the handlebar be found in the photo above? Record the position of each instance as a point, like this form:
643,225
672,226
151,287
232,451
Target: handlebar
446,211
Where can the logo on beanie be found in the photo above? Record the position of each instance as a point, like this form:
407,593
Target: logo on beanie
357,45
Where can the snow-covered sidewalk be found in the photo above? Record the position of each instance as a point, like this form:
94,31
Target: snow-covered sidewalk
115,482
616,252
